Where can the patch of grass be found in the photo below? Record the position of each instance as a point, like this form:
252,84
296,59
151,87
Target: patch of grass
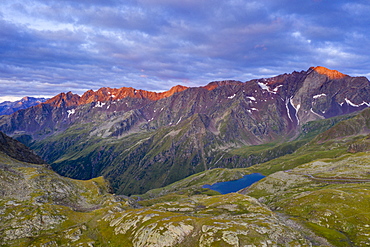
253,149
333,236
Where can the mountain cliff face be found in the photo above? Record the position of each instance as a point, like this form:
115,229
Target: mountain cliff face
18,150
7,107
140,140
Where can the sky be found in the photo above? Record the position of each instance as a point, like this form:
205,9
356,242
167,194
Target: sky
53,46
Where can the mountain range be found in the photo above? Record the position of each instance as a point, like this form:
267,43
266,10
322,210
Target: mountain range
9,107
316,196
308,132
140,140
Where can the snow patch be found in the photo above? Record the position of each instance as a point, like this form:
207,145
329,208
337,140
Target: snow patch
296,113
276,89
251,98
231,97
316,113
254,109
318,95
99,104
179,120
265,87
70,112
354,105
287,109
296,109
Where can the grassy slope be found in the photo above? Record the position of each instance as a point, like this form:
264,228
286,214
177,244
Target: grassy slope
337,211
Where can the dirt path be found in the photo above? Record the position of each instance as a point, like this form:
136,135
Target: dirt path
331,179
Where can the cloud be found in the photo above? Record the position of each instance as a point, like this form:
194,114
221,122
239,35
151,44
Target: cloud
76,45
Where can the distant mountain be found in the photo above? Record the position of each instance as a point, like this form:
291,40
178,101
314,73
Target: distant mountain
141,140
8,107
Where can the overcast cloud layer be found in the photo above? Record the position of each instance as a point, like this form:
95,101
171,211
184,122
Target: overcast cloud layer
53,46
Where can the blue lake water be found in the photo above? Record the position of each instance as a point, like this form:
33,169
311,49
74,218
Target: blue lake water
235,185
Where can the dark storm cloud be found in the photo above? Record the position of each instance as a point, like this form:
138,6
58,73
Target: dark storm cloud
51,46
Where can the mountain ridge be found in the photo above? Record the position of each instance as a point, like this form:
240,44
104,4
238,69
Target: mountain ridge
332,74
110,94
139,143
18,150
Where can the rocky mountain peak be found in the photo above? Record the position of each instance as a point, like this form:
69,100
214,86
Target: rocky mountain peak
26,98
215,84
332,74
64,99
175,89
